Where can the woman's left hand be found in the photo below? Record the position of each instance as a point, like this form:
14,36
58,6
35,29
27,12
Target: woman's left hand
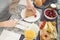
9,23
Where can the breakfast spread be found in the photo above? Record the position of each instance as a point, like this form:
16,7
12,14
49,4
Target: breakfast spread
48,31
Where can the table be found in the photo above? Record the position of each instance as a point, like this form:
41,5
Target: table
18,17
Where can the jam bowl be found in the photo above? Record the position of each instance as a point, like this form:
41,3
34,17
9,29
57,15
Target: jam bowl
50,14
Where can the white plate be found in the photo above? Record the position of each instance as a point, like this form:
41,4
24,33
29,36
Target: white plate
23,25
28,26
30,19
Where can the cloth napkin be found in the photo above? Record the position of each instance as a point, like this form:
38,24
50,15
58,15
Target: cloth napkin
9,35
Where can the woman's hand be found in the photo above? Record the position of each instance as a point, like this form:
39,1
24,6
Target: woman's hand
13,5
9,23
30,6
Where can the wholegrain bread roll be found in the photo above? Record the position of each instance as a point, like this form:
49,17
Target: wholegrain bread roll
40,2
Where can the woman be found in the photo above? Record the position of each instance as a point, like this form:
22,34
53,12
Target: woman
4,15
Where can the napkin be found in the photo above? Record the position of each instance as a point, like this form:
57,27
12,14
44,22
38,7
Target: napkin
9,35
27,26
23,25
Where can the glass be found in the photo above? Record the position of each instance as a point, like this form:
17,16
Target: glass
59,12
59,17
58,4
58,1
29,35
28,39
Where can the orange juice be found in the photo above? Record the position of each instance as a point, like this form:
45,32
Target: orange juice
29,34
28,39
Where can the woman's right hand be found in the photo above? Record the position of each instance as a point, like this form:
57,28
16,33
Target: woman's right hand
9,23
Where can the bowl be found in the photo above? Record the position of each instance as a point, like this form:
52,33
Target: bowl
44,4
50,14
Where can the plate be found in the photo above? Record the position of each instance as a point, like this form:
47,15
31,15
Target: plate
23,25
30,19
28,26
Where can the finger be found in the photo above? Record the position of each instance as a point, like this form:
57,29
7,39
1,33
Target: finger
34,10
28,8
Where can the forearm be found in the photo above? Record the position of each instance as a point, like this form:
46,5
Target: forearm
9,23
4,24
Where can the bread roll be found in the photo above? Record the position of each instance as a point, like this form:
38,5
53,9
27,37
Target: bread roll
40,2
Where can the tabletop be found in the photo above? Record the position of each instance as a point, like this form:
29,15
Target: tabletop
17,16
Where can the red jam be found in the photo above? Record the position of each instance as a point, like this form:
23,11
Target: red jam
50,13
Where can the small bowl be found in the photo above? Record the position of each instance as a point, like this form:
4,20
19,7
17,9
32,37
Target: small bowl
48,16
